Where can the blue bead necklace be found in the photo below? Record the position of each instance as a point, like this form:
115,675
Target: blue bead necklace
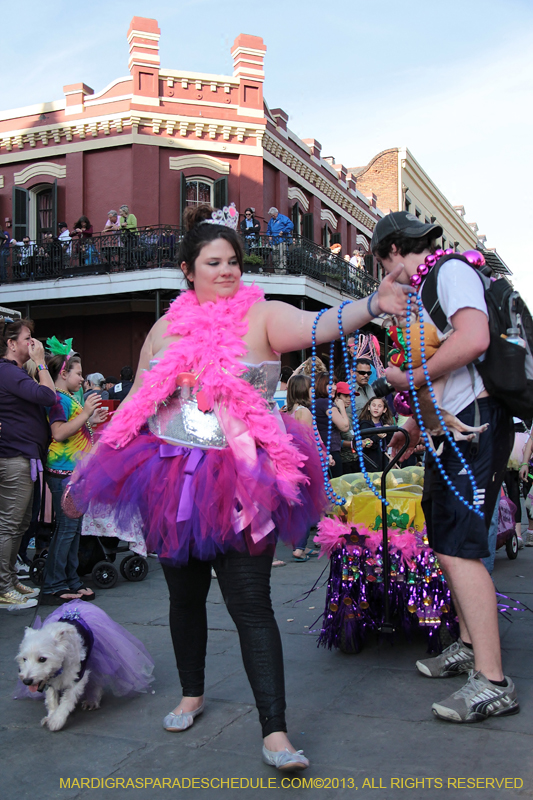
332,495
477,495
355,419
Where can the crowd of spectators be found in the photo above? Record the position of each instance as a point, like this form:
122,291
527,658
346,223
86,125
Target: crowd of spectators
48,414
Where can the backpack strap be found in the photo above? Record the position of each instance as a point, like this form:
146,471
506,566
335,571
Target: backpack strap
429,292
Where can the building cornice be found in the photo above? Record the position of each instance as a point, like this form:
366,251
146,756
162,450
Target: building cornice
165,125
302,171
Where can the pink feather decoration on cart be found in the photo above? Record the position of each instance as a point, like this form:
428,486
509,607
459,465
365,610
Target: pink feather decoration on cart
332,533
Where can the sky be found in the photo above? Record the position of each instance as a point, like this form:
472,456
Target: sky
452,81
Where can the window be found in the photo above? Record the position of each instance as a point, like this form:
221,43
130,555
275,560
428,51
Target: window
407,203
444,243
326,236
335,238
418,213
428,221
198,192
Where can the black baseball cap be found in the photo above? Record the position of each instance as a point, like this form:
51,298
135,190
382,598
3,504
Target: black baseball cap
403,222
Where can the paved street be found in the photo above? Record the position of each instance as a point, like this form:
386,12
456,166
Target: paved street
361,719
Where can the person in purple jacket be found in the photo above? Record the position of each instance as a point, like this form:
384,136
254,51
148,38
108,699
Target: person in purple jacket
24,439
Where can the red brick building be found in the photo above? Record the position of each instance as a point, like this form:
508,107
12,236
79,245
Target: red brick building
158,140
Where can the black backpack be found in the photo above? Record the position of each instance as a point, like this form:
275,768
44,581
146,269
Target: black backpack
507,368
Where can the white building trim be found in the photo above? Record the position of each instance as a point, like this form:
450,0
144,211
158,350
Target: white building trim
149,280
198,161
300,171
41,168
92,97
192,77
329,216
296,194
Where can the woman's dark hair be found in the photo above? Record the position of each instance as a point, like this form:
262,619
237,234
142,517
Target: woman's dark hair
12,330
55,365
298,391
82,220
285,374
386,417
321,384
198,235
406,244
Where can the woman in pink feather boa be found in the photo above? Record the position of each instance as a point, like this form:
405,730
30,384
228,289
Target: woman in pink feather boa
199,455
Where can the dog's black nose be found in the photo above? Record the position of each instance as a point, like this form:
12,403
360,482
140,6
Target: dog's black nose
27,681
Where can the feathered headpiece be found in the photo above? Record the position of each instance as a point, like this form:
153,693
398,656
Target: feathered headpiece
58,348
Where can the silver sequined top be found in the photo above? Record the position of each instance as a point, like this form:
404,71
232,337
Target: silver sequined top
180,421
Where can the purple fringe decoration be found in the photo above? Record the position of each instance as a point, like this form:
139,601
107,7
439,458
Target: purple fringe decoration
419,597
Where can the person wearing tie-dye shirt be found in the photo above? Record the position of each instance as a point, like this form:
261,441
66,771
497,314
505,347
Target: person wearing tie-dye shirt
71,441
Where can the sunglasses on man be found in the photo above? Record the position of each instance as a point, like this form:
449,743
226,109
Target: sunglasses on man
363,372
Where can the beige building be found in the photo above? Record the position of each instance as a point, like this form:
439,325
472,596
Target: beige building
398,182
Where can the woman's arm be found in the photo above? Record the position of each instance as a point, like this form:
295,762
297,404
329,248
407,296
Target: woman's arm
524,468
340,418
61,431
289,328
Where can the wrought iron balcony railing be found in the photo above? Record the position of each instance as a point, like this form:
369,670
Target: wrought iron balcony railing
157,246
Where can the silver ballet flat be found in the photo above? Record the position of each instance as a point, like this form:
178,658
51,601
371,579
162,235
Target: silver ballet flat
181,721
285,760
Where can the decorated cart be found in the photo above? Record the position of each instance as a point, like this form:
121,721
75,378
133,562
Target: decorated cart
357,600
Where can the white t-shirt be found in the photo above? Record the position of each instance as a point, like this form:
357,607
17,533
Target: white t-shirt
459,287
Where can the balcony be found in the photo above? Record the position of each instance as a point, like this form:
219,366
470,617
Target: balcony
156,247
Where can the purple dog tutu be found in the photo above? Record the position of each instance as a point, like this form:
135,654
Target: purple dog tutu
117,660
200,503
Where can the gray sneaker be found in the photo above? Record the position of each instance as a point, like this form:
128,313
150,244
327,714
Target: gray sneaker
455,659
529,538
477,700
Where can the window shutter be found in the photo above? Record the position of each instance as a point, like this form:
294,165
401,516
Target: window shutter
20,213
54,208
308,227
296,218
220,193
369,264
335,238
183,196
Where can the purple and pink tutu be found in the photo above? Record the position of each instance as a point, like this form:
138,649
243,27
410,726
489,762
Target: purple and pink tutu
193,502
118,660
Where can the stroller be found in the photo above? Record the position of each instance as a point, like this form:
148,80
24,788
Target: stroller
96,556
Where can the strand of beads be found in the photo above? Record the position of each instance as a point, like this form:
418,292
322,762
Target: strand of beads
440,417
355,418
418,414
332,495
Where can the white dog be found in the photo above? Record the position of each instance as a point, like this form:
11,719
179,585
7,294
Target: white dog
78,651
54,660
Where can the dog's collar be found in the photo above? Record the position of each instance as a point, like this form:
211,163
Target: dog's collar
51,678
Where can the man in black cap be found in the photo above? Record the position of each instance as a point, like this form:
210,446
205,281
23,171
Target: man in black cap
458,535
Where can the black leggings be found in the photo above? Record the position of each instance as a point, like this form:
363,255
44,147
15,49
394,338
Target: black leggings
245,584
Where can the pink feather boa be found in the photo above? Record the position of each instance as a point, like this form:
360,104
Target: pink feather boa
210,347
